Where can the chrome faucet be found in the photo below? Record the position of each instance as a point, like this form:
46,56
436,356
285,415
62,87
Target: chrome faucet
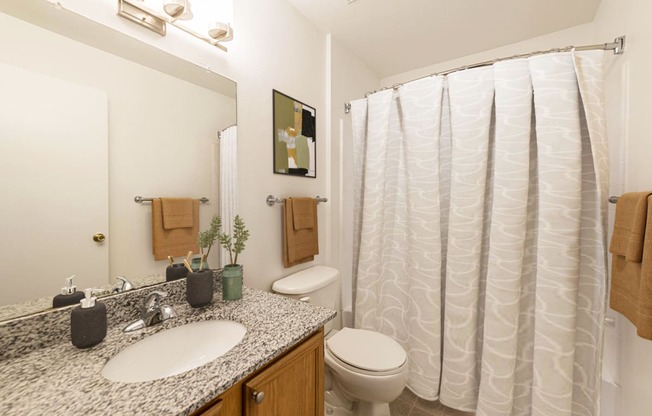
123,285
152,312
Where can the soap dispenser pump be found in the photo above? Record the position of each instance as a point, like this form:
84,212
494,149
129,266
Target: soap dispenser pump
69,295
88,322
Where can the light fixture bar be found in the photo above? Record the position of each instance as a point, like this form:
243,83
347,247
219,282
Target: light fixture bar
150,19
142,17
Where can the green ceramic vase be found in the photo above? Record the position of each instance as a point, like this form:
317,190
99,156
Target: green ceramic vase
232,282
194,264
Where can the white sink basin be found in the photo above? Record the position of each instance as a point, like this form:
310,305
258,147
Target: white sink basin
174,351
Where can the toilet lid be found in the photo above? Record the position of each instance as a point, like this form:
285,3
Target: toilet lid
367,350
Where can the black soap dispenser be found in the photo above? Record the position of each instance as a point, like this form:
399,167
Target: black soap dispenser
88,322
68,296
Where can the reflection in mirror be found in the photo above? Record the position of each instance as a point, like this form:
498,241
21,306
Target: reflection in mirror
82,132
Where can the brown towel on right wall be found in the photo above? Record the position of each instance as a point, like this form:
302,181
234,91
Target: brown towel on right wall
631,271
300,245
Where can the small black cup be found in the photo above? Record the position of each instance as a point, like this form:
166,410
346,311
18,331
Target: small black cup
199,288
175,272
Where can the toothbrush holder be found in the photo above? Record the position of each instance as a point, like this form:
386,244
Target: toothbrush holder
199,288
175,272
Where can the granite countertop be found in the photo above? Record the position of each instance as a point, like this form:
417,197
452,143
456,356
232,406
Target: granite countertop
63,380
44,303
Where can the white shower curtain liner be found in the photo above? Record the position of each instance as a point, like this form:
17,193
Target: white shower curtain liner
480,227
228,183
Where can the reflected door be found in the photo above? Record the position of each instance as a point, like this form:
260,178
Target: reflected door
54,186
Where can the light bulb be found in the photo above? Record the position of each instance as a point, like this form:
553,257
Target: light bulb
220,31
174,8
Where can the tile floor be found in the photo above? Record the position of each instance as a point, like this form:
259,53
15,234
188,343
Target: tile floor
408,404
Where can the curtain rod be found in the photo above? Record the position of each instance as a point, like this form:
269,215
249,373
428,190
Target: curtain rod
618,46
219,133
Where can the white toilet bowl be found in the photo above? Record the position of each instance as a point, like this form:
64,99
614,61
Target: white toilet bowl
369,369
365,370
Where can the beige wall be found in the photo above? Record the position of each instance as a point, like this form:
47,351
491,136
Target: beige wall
578,35
162,135
351,79
629,88
275,47
278,49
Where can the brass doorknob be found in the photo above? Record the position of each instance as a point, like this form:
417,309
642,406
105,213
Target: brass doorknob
99,237
259,396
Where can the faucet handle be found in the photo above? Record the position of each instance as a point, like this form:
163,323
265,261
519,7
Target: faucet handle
123,285
153,300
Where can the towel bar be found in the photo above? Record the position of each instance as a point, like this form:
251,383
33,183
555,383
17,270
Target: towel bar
272,200
140,199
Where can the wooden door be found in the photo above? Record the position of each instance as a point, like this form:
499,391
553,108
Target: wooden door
292,386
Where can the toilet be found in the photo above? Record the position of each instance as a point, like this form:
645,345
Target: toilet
365,370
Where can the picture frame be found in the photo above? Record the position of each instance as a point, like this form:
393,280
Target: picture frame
294,135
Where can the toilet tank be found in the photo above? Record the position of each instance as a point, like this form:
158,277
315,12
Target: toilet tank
318,285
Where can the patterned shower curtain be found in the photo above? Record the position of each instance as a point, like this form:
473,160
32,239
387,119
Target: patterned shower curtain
480,228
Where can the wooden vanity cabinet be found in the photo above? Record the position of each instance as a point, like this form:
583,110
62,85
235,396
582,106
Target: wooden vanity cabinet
291,385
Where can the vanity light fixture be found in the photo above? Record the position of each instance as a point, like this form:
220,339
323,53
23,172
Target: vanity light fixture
175,13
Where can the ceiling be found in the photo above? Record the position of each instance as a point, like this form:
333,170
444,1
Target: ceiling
394,36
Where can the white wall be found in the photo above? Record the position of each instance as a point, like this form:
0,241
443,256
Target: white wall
578,35
275,47
628,92
350,79
162,134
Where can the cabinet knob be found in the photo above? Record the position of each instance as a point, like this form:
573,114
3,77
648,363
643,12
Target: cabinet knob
258,396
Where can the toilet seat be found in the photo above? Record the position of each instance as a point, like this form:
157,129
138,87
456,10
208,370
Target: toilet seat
366,352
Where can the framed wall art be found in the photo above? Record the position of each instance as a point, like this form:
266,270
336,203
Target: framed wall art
295,139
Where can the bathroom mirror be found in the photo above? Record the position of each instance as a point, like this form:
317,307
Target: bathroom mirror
90,119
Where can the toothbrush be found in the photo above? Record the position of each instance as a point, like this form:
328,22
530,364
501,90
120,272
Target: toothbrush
201,262
171,260
187,264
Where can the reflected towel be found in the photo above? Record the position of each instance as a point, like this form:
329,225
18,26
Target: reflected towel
174,242
629,226
177,213
631,281
303,213
299,246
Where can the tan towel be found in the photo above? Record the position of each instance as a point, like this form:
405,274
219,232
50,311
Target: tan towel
631,282
174,242
299,246
629,226
303,213
177,213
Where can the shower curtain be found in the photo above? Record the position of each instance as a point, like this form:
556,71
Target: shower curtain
228,183
480,227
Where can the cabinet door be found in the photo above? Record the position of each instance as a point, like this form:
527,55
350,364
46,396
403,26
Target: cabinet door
292,386
214,410
228,403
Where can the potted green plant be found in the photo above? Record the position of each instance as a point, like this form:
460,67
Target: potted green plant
205,240
232,273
